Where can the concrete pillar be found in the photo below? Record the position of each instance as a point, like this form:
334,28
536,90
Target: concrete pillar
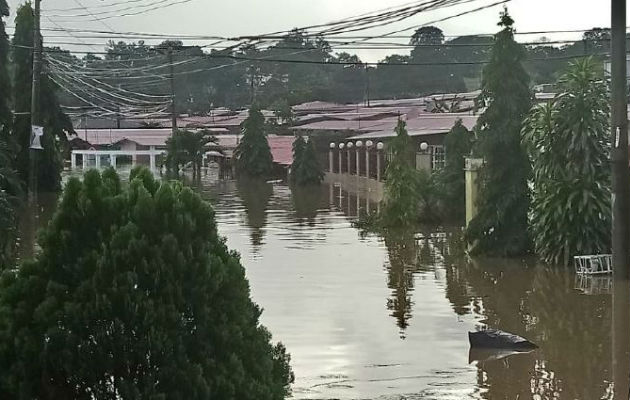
330,160
367,162
472,188
349,162
341,145
84,160
73,160
358,162
423,161
98,161
112,160
152,158
378,165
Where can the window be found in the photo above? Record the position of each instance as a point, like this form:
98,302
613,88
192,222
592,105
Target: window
437,157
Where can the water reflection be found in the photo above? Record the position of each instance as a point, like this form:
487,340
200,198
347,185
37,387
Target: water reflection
255,195
341,302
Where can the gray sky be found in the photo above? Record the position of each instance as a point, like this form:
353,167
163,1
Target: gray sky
242,17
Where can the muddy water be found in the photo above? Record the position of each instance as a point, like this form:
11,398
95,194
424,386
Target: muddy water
369,317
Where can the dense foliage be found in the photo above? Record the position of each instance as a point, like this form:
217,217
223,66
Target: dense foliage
253,155
500,227
6,118
55,122
187,148
305,169
402,181
319,73
10,190
450,180
134,295
568,145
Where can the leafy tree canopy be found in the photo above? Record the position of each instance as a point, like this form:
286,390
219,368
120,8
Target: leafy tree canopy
134,295
568,144
402,181
253,155
305,169
500,228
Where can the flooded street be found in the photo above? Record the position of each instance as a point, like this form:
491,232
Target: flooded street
367,317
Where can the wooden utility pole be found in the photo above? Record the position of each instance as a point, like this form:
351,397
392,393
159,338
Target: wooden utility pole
35,88
172,81
619,152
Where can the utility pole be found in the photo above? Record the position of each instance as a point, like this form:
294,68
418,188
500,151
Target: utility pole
620,204
619,153
35,117
172,80
367,83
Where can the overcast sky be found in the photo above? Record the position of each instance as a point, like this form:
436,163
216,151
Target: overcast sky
245,17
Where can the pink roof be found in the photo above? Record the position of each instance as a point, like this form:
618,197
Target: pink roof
426,124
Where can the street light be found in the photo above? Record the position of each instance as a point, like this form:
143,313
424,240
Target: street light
332,145
359,144
379,146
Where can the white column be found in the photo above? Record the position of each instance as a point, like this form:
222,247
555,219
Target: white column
358,162
84,159
367,162
330,160
349,162
98,161
73,160
378,165
112,160
340,160
152,158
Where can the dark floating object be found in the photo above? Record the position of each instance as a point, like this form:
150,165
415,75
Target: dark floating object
496,339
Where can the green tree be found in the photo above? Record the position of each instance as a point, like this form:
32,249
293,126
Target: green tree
451,180
6,118
305,169
10,191
500,227
253,155
402,181
55,122
187,147
568,144
134,295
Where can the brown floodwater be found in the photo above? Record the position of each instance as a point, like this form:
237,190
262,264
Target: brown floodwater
370,317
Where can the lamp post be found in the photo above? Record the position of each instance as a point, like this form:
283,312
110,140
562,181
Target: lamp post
341,146
379,150
349,147
368,147
330,157
359,145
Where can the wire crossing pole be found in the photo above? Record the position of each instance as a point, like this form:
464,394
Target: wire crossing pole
172,80
619,152
35,88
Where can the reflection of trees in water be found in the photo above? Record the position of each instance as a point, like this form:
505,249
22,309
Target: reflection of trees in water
540,304
307,201
403,264
255,195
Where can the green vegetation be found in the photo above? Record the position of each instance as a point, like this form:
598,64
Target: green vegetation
568,145
500,228
55,122
253,156
305,169
450,180
10,190
187,148
134,295
402,182
321,74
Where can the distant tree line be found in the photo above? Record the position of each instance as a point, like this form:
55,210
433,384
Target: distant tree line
313,71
